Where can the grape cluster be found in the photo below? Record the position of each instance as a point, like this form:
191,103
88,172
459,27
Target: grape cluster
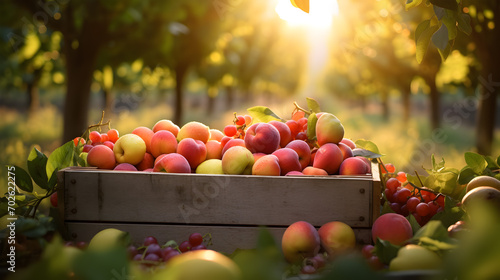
311,265
237,129
151,253
406,200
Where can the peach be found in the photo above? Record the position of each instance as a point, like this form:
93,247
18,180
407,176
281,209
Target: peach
163,142
294,127
193,150
147,162
129,148
309,170
216,134
329,129
392,227
237,160
159,158
148,170
262,138
302,149
285,133
349,143
300,240
232,143
346,150
353,166
146,134
214,149
166,125
294,173
288,160
256,156
173,163
267,165
328,157
195,130
337,238
101,156
125,167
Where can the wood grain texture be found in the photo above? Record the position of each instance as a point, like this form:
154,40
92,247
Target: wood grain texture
110,196
224,238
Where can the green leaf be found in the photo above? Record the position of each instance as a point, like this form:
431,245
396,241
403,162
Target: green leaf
60,158
423,41
263,114
311,126
464,24
492,164
446,52
440,38
450,20
313,105
466,174
23,179
37,164
436,245
412,3
367,145
386,208
450,214
385,250
439,12
433,229
447,4
53,180
358,152
421,28
476,162
498,160
415,226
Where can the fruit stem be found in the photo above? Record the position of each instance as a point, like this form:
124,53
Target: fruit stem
298,108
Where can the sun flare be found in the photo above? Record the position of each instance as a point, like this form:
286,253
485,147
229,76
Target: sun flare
321,13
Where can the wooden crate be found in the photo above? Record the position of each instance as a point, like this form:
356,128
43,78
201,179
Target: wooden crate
231,207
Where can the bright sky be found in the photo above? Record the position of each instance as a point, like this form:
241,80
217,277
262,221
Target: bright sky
321,13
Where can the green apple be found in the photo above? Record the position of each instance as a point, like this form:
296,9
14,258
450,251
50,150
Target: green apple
109,238
211,166
237,160
415,257
129,148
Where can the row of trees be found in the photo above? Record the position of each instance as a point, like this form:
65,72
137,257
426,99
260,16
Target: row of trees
227,43
380,36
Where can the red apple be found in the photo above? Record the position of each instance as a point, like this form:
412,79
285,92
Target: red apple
328,157
284,131
262,138
302,149
300,240
346,151
288,160
173,163
193,150
392,227
353,166
147,162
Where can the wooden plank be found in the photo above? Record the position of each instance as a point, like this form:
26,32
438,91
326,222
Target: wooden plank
112,196
225,238
376,193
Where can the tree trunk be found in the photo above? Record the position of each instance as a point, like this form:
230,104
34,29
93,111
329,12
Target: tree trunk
210,104
406,93
80,65
33,98
435,102
108,101
385,106
180,76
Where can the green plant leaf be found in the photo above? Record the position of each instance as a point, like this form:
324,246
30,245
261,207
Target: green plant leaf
23,179
476,162
412,3
313,105
423,41
498,160
491,163
464,24
466,174
385,250
105,265
446,52
450,214
53,180
311,127
439,12
450,20
60,158
421,28
367,145
433,229
263,114
440,37
415,226
447,4
37,164
359,152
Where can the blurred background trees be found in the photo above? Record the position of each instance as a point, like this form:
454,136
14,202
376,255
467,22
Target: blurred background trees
183,60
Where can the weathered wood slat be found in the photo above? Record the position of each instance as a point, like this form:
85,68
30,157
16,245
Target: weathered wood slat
110,196
225,238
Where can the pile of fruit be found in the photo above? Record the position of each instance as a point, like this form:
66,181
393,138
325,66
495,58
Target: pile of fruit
310,143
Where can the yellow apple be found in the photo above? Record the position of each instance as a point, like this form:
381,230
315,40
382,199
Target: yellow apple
210,166
129,148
